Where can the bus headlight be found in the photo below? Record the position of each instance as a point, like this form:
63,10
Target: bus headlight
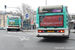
40,31
61,31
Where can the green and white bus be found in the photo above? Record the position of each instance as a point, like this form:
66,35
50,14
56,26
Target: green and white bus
52,21
13,22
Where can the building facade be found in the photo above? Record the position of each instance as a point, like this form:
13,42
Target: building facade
3,19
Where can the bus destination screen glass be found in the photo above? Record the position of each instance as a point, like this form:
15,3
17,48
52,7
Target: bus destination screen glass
50,10
51,21
14,18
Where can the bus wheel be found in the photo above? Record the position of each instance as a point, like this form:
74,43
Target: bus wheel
67,37
45,37
18,29
8,30
68,34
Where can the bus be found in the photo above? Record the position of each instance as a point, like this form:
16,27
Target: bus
13,23
52,21
26,24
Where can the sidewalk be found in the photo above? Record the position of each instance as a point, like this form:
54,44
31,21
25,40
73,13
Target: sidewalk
72,30
29,30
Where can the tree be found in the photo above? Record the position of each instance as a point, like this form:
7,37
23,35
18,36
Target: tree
26,9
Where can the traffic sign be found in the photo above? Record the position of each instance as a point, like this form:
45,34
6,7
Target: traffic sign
5,6
21,20
26,15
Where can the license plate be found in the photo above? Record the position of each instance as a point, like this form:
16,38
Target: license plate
13,26
50,31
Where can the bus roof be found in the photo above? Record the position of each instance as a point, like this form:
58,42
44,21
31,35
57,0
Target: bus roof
55,6
50,7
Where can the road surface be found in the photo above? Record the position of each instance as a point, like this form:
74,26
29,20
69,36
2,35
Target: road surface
13,40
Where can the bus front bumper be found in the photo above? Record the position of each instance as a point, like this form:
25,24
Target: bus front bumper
13,28
52,36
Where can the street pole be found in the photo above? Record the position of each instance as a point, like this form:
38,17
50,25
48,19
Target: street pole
46,2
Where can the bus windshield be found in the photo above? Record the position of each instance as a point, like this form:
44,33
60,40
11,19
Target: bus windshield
13,17
50,9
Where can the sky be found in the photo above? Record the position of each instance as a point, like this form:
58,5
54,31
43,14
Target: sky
35,3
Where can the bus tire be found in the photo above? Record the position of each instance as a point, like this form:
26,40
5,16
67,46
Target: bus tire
68,34
18,29
67,37
8,30
45,37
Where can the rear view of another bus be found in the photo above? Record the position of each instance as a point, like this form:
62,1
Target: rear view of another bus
52,21
14,23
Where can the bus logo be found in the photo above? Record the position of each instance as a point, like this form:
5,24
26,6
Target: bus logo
60,18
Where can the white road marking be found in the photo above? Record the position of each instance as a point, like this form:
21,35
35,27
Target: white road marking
20,37
14,32
31,34
28,33
11,35
24,38
29,30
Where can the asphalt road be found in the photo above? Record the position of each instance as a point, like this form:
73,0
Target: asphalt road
13,40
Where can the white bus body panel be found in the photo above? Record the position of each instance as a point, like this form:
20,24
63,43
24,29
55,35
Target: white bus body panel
14,27
66,32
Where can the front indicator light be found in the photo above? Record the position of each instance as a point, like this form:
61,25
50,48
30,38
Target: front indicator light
61,31
40,31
